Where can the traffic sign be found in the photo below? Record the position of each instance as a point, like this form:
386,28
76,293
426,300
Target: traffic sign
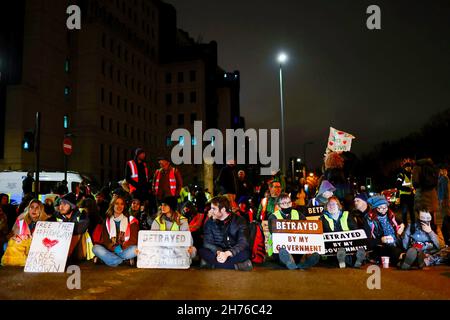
67,146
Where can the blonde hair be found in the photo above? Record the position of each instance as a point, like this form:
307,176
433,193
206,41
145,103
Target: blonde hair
110,211
334,198
42,215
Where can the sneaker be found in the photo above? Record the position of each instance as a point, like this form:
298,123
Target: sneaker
360,257
96,260
410,257
341,257
310,261
421,259
132,262
244,266
287,259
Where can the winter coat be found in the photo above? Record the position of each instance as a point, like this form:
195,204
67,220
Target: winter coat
428,241
133,225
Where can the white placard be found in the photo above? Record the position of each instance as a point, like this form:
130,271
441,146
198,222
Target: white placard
49,247
164,249
298,243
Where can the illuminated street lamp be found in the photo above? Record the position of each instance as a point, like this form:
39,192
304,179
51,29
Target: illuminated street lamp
282,58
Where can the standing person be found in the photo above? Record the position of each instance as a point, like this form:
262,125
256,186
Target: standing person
225,243
8,209
244,186
27,183
404,184
137,176
119,236
326,190
443,193
269,204
425,179
167,181
227,180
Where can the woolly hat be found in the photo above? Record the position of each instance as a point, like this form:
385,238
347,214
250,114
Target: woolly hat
325,186
377,201
138,151
70,199
363,196
171,202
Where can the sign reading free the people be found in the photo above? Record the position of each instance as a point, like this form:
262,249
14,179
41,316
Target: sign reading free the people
298,236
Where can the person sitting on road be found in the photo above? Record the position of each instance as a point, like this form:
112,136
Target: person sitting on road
225,243
119,236
421,242
21,234
383,231
336,220
361,209
286,212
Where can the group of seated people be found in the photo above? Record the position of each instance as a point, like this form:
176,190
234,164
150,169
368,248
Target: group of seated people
221,236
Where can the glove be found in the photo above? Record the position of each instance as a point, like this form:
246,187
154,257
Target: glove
118,249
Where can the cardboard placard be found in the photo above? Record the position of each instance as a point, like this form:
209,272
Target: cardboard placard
313,212
350,240
49,247
298,236
164,249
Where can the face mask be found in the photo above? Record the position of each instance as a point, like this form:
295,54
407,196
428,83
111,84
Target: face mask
286,210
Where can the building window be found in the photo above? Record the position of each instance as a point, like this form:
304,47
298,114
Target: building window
181,119
180,98
168,120
180,77
101,154
168,78
168,99
102,122
192,75
193,97
193,117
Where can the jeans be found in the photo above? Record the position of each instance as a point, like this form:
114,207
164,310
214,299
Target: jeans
112,259
210,258
407,205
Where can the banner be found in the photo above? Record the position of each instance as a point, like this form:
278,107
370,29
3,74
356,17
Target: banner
164,249
298,236
49,247
339,141
350,240
313,212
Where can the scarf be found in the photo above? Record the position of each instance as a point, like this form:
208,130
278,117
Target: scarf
112,225
388,230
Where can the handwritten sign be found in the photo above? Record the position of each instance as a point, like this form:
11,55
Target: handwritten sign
298,236
49,247
339,140
313,212
164,249
350,240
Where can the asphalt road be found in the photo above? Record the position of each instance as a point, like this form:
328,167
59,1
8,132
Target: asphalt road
99,282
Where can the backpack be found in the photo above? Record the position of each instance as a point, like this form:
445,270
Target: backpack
256,241
429,175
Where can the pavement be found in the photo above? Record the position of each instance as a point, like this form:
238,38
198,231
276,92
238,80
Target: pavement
99,282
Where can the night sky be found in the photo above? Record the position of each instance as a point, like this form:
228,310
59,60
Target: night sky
376,84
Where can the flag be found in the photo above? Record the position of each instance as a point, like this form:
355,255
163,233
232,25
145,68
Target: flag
339,141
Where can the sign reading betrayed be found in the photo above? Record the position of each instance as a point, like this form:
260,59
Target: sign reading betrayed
49,247
350,240
298,236
313,213
164,249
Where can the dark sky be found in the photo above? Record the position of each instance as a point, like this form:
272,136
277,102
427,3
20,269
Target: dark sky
377,85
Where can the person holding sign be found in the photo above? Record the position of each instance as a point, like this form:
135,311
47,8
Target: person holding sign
81,243
383,231
225,242
286,212
119,235
21,234
336,220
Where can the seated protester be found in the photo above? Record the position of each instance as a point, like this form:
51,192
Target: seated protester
245,210
421,242
169,219
336,220
119,235
326,190
89,207
189,210
382,230
286,212
9,210
4,229
196,221
362,208
268,204
19,243
225,243
145,221
81,244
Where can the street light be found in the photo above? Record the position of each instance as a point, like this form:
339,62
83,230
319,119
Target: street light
282,58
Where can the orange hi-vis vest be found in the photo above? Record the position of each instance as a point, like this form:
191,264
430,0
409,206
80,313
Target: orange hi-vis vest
172,181
134,173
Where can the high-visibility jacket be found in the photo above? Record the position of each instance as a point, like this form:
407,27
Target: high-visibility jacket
172,181
406,183
343,220
135,174
294,216
264,203
162,224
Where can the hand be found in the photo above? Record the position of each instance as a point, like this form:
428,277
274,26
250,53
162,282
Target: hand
426,227
223,256
118,249
137,251
387,239
191,250
400,229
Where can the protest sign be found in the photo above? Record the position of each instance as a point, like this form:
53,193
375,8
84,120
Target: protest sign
339,141
313,212
49,247
298,236
350,240
164,249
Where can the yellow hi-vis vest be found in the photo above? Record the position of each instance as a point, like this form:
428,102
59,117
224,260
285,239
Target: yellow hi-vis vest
344,221
294,216
406,183
162,224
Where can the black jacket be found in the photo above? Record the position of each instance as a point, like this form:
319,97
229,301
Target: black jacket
80,219
230,234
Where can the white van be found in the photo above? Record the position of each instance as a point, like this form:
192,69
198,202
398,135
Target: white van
11,183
